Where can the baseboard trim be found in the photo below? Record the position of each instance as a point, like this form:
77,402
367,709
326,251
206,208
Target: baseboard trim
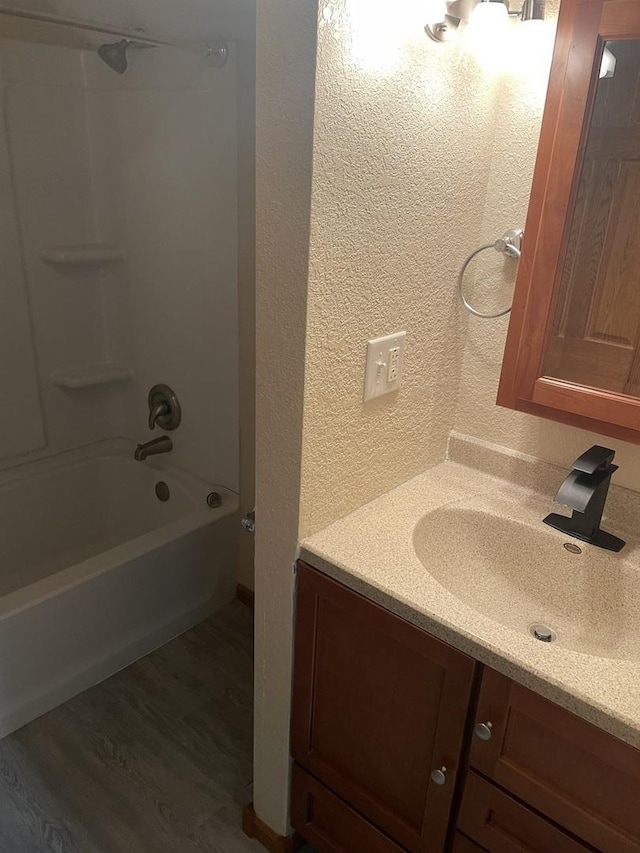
244,595
263,834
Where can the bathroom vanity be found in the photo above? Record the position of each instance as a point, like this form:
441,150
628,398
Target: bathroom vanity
421,722
398,737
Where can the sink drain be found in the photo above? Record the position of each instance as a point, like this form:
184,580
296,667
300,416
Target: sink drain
542,633
572,548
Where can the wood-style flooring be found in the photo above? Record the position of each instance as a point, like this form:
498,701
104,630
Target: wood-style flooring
157,759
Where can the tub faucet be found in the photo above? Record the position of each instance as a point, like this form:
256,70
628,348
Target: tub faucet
585,492
157,411
151,448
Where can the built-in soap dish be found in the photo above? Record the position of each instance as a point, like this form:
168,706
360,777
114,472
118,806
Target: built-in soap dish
91,375
82,255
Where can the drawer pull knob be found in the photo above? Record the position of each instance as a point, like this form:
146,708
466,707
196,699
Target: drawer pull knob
439,776
483,730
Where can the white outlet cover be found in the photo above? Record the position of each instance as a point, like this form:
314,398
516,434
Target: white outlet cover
377,366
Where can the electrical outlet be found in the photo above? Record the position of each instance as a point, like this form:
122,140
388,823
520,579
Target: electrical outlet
394,362
383,373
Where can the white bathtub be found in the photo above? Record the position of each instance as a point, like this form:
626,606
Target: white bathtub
96,571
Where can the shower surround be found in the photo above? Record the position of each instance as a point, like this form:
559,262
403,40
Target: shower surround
119,234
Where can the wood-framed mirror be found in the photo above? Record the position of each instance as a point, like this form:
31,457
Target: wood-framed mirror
573,346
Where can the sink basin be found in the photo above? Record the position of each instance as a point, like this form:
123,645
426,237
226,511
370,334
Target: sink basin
519,575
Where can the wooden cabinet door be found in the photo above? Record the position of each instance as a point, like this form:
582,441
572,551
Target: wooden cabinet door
570,771
573,346
378,705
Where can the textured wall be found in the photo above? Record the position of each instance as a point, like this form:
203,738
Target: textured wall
402,146
401,159
506,205
286,47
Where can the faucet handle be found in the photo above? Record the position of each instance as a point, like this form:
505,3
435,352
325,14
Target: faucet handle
595,459
164,408
160,410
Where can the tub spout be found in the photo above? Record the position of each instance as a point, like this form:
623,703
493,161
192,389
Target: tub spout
151,448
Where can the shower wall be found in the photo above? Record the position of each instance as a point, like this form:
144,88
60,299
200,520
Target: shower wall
144,164
164,143
46,162
23,428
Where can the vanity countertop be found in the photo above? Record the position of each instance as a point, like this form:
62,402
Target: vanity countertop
373,552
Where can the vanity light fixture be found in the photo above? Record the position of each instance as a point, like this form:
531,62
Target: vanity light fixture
443,18
532,11
481,16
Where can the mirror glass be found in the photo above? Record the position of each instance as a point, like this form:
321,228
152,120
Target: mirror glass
595,336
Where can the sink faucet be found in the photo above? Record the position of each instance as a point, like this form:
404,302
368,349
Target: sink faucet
585,492
151,448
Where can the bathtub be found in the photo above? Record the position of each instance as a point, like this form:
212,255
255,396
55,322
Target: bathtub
96,571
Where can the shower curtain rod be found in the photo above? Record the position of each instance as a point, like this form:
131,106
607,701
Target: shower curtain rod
108,29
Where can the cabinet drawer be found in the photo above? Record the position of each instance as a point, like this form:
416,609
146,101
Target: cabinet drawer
462,844
502,825
572,772
378,707
328,823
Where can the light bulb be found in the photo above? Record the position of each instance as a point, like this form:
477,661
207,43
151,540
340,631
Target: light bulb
435,12
529,59
489,16
486,33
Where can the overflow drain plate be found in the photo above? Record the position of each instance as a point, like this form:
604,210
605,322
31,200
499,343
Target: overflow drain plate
162,491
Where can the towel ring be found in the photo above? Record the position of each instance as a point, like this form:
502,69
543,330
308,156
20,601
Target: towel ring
510,244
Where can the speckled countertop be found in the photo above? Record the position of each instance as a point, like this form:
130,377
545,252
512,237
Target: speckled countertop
407,551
